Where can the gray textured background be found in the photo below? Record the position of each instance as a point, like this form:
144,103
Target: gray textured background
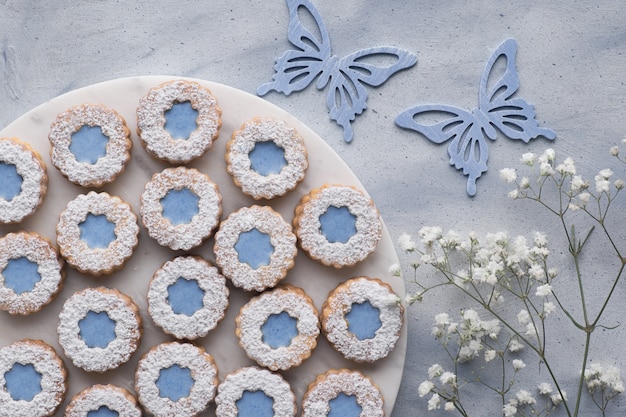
571,62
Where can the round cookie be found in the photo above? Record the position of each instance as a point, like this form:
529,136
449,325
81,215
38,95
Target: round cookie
253,391
255,248
266,158
31,272
23,180
33,379
180,207
97,233
90,144
99,329
278,328
103,400
342,392
178,121
362,319
187,297
176,379
337,225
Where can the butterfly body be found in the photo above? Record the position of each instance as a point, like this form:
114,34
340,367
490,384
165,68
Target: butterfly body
497,111
345,77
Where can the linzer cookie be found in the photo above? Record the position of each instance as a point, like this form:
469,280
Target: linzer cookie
99,329
266,157
180,207
97,233
337,225
178,121
31,272
103,400
255,248
23,180
362,319
34,379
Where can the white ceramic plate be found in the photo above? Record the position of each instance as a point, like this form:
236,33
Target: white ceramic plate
325,166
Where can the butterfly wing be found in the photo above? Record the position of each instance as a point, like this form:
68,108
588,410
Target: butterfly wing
347,95
297,68
514,117
468,147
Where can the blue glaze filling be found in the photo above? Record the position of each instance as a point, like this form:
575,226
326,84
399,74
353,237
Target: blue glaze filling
344,406
279,329
179,206
185,296
21,275
23,382
89,144
363,320
103,411
267,158
254,248
174,382
97,329
338,224
255,404
180,120
10,181
97,231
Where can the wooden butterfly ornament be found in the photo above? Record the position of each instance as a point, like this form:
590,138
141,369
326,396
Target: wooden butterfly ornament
347,96
497,110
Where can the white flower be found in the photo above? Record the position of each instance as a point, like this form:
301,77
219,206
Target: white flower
518,364
508,175
515,346
523,317
540,239
599,376
449,406
584,198
509,410
548,308
434,370
548,155
524,183
602,185
490,355
544,388
619,184
528,158
544,290
430,234
606,173
448,378
395,270
425,388
566,167
442,319
434,402
536,272
546,170
558,398
513,194
578,184
406,243
615,150
525,397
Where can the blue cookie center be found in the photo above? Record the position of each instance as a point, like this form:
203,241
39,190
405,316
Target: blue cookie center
279,330
255,404
180,120
254,248
185,296
338,224
363,320
267,158
89,144
10,181
179,206
21,275
174,382
97,329
23,382
103,411
97,231
344,406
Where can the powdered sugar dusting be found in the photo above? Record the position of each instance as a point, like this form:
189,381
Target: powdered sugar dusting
308,227
97,261
32,169
243,141
182,236
214,302
151,121
114,398
254,379
256,312
120,308
327,386
53,378
185,355
49,266
107,167
355,291
267,221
